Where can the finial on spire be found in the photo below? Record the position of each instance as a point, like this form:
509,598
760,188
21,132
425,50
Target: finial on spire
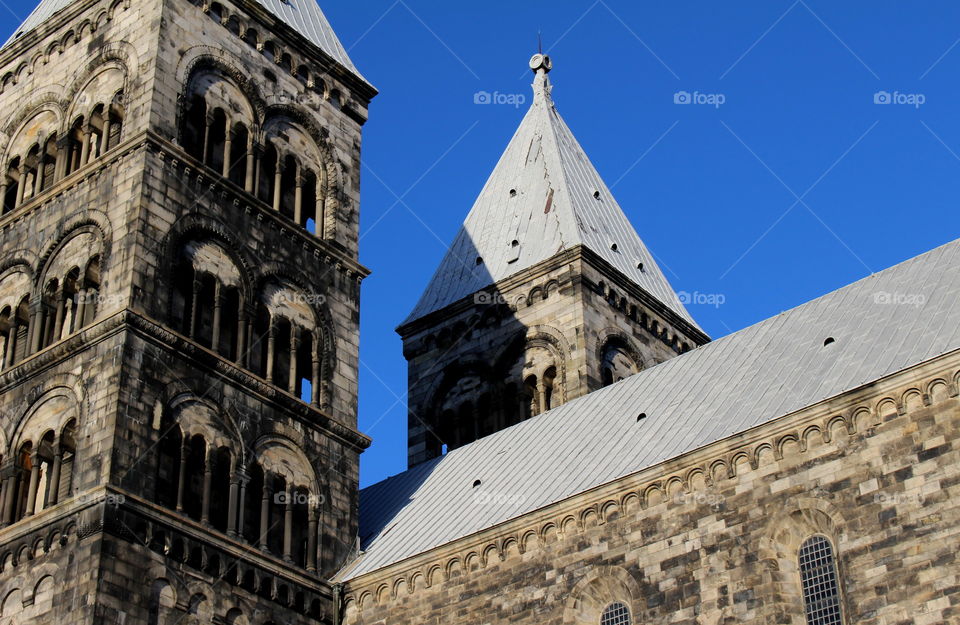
541,62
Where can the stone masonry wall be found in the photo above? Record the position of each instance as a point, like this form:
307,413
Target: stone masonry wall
713,536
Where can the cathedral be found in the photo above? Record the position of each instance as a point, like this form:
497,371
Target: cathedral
179,338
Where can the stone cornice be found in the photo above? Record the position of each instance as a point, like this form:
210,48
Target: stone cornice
91,170
225,190
236,549
856,412
310,416
156,333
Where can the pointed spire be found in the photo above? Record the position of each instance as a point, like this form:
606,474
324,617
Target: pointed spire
543,197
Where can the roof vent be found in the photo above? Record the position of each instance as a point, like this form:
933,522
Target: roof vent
479,260
829,340
476,483
596,194
641,417
513,193
613,246
640,266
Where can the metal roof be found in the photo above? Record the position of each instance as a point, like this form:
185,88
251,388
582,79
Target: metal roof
546,195
304,16
882,324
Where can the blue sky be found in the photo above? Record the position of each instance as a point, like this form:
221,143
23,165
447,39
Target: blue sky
784,180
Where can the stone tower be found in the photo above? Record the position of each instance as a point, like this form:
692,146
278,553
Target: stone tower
546,294
179,293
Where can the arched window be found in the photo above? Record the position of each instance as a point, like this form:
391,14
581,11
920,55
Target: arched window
529,400
239,142
48,164
75,146
616,613
168,463
217,141
115,122
195,127
549,394
818,579
11,185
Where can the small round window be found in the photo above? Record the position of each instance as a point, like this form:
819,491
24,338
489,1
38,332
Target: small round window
616,613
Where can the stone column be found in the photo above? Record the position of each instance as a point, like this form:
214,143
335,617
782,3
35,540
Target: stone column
53,488
182,477
265,513
9,486
38,181
34,483
11,343
207,484
105,139
205,155
217,305
193,306
227,149
248,180
85,147
294,347
234,500
320,217
248,344
241,335
242,507
271,345
35,327
298,196
63,152
312,527
277,178
21,184
61,313
258,152
288,527
315,379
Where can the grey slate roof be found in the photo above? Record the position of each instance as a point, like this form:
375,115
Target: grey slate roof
304,16
560,202
753,376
